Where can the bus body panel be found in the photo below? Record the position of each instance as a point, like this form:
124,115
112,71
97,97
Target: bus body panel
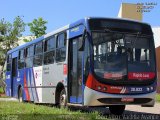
76,31
8,83
52,75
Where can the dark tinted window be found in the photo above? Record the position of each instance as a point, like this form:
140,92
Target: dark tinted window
21,64
21,54
14,67
29,62
37,60
49,57
9,58
61,48
49,49
38,48
61,40
49,44
29,56
21,57
61,54
9,62
117,25
9,67
29,51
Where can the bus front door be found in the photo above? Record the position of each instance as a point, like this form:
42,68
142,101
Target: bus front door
75,71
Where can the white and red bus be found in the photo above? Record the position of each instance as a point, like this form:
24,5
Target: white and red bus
91,62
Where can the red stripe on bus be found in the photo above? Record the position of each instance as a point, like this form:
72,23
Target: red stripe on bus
95,85
25,87
65,69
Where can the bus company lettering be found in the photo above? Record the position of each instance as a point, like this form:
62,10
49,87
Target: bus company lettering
75,29
116,87
38,70
46,70
141,75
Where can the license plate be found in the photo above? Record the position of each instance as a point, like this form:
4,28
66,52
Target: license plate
127,99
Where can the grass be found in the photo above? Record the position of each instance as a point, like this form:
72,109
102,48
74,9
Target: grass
25,111
158,97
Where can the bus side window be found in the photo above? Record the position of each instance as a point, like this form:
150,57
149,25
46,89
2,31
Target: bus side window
21,57
49,50
9,62
37,61
61,48
29,56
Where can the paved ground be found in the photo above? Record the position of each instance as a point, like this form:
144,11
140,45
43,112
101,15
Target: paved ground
153,110
8,99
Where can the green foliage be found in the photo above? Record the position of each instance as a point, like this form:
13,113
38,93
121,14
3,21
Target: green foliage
9,34
158,97
26,40
37,27
1,90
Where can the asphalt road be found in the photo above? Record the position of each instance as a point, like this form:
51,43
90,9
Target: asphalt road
132,112
152,110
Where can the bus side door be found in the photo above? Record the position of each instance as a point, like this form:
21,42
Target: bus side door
14,77
75,70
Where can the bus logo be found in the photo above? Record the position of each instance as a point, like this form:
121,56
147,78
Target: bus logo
75,29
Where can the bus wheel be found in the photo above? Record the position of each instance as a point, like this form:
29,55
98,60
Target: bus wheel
62,99
117,109
20,94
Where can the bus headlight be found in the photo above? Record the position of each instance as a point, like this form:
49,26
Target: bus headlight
104,88
99,87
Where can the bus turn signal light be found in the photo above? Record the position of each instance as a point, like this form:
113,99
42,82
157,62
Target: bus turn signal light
65,69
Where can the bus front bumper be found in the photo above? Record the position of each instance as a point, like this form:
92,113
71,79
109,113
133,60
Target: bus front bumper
95,98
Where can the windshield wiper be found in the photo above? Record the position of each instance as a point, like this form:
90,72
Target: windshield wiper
137,35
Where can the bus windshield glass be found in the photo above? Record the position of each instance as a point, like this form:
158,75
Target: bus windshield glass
117,54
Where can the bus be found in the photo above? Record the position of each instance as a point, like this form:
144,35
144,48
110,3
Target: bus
94,61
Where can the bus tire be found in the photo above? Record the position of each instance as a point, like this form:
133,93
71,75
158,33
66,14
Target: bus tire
20,94
62,99
117,109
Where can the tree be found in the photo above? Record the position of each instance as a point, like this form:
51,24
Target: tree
37,27
9,34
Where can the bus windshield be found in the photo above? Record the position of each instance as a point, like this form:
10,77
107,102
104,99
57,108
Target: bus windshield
117,54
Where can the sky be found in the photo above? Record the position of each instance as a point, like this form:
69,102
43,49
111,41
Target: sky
59,13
